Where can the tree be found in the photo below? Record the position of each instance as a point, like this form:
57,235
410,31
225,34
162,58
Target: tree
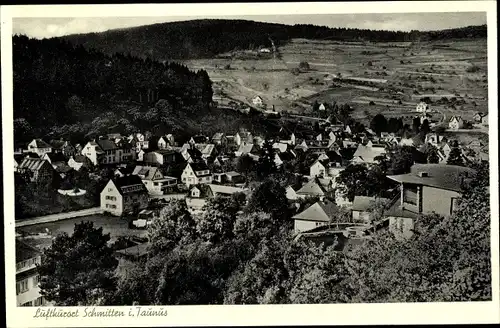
358,180
269,197
455,157
315,106
79,269
173,226
245,165
401,159
425,128
432,154
416,125
394,125
303,65
217,221
379,124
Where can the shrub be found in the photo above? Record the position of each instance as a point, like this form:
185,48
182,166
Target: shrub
473,69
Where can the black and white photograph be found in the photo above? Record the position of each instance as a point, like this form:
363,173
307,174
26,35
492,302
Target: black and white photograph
261,158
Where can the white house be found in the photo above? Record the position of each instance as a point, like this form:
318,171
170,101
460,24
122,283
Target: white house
257,101
196,173
318,214
27,277
322,107
124,195
422,107
456,123
39,147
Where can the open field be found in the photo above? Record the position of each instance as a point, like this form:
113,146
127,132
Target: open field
392,75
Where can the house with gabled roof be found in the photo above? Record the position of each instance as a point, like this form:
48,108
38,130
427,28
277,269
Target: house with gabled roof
245,148
316,215
456,123
55,158
196,173
39,147
63,146
156,183
39,170
124,195
311,189
27,276
78,162
367,155
206,150
219,138
160,157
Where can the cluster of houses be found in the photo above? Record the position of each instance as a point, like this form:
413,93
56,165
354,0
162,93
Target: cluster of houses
139,162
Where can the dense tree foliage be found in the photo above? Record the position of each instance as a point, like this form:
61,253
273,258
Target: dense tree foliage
78,269
379,124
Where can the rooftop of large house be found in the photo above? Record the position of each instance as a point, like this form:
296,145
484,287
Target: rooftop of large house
146,172
442,176
319,211
311,188
199,166
25,251
368,154
32,164
129,184
58,144
56,157
106,144
226,190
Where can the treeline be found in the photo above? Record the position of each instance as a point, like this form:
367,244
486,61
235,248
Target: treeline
209,37
57,84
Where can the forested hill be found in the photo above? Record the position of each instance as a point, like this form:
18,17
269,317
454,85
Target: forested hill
66,88
207,38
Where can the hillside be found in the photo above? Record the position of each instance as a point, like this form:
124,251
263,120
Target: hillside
207,38
62,90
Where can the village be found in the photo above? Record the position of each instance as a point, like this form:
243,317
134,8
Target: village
145,172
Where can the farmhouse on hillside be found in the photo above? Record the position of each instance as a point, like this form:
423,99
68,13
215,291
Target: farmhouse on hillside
196,173
422,107
456,123
257,101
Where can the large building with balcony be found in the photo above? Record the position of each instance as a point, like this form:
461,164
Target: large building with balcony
427,189
156,183
27,277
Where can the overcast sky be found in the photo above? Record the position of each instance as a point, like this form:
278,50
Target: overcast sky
51,27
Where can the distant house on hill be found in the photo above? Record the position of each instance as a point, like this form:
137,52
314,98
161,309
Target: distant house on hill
265,50
422,107
456,123
322,107
257,101
39,147
124,195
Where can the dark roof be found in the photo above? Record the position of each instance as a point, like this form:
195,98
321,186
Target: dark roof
56,157
107,144
82,159
200,139
441,176
63,168
24,251
129,180
58,144
199,166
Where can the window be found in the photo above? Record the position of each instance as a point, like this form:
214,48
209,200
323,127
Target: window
156,183
110,206
184,179
410,194
110,197
39,301
22,286
110,189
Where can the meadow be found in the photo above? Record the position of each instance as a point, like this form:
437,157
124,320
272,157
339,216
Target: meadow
388,78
